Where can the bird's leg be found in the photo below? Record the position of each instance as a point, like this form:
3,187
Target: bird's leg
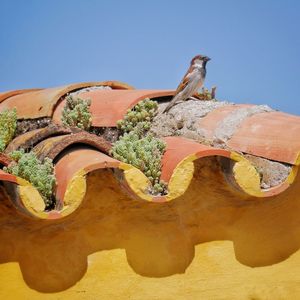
179,101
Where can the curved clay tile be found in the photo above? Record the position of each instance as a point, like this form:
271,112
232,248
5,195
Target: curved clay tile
78,161
177,168
31,138
272,135
7,177
40,103
255,133
179,148
260,134
9,94
4,159
53,146
212,119
108,106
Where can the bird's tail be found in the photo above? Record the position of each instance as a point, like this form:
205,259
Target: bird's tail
172,103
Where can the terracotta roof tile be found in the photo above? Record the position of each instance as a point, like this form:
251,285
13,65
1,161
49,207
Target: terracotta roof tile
53,146
108,107
270,135
179,148
40,103
211,120
79,159
7,177
8,94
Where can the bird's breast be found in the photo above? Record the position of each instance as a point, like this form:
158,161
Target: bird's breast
195,82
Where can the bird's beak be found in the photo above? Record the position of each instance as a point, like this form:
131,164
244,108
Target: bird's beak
207,58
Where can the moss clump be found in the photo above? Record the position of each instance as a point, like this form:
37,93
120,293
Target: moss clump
39,173
140,148
8,125
76,113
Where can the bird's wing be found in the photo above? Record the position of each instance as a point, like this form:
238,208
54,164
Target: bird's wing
184,81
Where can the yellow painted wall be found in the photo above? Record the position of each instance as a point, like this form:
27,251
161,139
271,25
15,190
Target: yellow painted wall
213,274
212,243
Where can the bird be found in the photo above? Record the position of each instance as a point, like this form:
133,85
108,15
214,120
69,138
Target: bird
191,82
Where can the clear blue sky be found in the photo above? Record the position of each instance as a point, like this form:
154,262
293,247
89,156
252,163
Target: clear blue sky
254,45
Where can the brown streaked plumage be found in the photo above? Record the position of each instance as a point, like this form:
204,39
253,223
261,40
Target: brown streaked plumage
191,82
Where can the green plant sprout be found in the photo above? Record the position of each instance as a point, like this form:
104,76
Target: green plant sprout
8,125
140,148
39,173
76,113
142,114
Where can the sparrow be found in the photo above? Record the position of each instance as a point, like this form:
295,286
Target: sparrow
191,82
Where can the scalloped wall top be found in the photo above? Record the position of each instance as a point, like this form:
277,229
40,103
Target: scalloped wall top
262,134
179,148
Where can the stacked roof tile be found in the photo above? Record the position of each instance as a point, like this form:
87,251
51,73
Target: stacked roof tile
269,134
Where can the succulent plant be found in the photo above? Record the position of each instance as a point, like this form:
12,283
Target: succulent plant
140,148
144,153
8,125
39,173
76,113
141,114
